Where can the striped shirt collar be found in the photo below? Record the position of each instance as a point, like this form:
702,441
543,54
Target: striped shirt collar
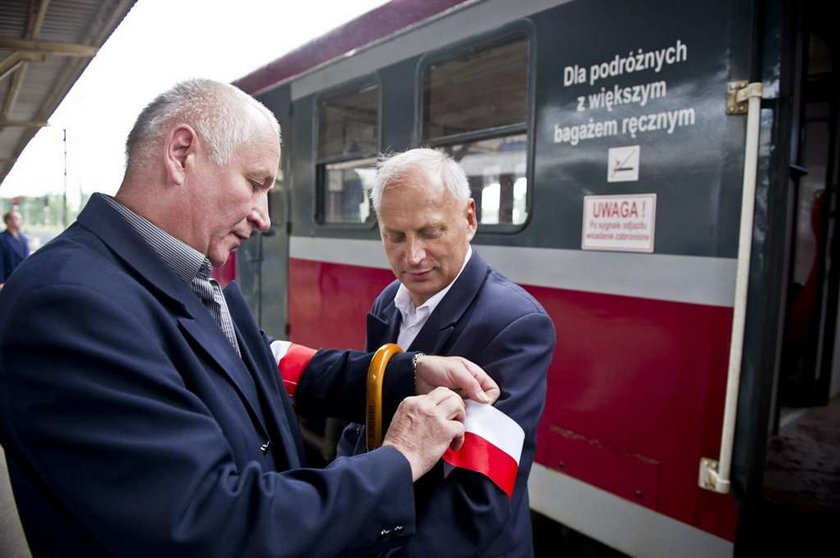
184,260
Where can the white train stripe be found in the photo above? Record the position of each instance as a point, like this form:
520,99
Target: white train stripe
365,253
468,21
619,523
691,279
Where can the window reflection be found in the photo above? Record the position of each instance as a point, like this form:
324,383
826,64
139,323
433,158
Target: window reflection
346,191
496,171
478,89
348,123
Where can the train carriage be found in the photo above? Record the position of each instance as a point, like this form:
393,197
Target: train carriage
615,151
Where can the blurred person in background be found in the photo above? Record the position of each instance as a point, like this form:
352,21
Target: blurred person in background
14,246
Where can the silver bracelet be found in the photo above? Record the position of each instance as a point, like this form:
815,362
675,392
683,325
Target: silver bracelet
414,360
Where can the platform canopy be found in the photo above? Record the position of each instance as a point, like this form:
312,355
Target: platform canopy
45,45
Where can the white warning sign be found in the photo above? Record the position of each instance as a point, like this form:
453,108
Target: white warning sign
623,164
621,223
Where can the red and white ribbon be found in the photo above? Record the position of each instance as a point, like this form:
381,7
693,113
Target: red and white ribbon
492,440
492,445
291,361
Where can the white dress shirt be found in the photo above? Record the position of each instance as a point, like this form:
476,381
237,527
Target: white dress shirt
413,319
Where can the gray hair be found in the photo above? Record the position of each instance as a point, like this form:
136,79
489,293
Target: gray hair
218,112
434,164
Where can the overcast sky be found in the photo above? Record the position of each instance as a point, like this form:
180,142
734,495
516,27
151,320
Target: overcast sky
159,43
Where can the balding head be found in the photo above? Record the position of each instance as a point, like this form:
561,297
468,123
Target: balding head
201,160
439,168
223,116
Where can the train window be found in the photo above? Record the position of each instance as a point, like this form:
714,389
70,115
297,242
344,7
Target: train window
475,108
348,141
479,89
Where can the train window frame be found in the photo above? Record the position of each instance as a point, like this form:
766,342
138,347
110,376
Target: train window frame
523,29
320,164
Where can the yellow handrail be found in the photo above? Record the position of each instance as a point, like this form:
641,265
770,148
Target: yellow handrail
375,377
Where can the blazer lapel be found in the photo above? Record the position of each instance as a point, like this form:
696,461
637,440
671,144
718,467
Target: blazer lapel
207,334
433,335
383,323
196,321
384,328
259,359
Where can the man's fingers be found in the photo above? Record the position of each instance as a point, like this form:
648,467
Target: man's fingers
449,403
439,394
458,440
482,387
453,408
425,425
470,384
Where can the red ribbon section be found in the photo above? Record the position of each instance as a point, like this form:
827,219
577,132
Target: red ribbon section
292,365
479,455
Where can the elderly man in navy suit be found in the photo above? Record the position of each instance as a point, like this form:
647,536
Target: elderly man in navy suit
141,409
14,246
447,300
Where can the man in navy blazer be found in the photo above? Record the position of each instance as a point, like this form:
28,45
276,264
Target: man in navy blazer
14,246
446,300
141,411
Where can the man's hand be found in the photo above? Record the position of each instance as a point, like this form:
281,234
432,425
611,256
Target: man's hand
456,373
424,426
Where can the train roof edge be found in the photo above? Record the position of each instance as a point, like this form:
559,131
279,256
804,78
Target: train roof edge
395,17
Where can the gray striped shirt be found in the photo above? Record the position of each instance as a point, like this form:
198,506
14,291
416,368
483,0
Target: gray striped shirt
189,264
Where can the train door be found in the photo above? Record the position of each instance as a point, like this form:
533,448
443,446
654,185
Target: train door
273,314
263,262
801,491
262,267
248,272
807,354
261,271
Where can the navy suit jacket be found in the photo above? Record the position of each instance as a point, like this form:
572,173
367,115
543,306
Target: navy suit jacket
132,428
12,252
496,324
